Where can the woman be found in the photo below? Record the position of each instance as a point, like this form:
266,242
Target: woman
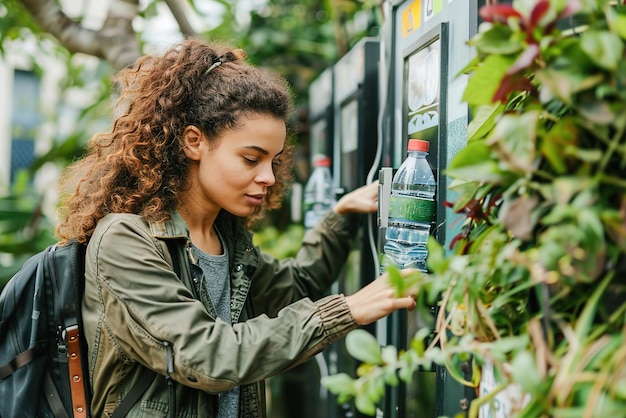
197,152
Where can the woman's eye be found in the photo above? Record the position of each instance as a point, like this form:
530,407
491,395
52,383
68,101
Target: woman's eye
250,160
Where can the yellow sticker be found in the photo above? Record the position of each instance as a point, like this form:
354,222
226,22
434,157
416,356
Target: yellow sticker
412,18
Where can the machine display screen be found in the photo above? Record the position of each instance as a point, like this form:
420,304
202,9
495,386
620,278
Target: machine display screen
422,92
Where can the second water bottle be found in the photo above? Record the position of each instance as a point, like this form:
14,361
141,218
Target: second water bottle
319,196
411,210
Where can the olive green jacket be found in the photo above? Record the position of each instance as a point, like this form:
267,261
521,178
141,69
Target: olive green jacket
134,305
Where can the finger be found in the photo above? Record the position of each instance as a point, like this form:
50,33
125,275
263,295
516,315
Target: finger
407,303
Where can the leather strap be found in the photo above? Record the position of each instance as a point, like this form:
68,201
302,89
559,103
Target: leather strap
79,402
18,361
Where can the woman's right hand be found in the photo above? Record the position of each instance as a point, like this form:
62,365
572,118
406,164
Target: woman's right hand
379,299
361,200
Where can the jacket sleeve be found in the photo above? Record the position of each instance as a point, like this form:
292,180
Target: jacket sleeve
323,253
142,304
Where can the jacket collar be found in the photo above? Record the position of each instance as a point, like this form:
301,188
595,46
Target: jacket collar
175,227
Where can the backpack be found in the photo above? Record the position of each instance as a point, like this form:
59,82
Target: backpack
43,354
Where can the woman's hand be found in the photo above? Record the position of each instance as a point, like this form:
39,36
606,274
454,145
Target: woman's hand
378,299
361,200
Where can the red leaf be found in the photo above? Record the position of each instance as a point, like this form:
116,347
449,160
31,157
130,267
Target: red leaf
498,13
525,60
509,84
514,78
456,239
538,12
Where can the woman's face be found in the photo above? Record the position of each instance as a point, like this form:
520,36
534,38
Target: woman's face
235,174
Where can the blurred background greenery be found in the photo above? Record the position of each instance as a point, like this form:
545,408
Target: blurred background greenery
92,39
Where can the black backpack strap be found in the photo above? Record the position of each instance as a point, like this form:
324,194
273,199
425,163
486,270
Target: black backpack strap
65,267
177,253
53,397
146,378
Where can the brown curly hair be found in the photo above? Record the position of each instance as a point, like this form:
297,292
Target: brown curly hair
140,166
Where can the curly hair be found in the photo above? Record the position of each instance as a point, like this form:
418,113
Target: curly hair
140,166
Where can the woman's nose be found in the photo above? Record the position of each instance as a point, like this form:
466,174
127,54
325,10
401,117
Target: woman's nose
266,175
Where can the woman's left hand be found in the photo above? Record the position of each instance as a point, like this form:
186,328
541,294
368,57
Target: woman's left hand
361,200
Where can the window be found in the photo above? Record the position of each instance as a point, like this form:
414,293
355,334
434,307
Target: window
25,120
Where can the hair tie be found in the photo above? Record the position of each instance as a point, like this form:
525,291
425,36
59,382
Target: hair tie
213,66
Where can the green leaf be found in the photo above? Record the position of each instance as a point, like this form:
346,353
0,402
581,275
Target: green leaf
396,280
365,405
565,84
514,140
499,39
436,260
505,345
391,377
585,319
417,342
617,22
485,81
390,354
599,112
486,171
602,405
363,346
466,192
483,120
525,372
339,383
602,47
558,144
472,154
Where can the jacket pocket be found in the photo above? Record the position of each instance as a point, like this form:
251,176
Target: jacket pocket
158,409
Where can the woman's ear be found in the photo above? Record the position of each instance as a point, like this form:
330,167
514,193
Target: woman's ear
192,141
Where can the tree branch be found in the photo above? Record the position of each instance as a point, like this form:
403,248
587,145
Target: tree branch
116,42
180,15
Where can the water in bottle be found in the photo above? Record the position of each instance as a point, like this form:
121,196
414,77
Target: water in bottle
411,210
319,196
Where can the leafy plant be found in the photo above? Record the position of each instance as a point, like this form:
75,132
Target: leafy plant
24,228
535,284
299,39
279,244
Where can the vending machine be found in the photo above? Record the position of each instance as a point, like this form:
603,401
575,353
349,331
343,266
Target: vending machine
321,115
343,110
425,51
355,132
298,392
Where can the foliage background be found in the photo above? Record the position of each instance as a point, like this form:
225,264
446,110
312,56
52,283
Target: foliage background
536,283
299,39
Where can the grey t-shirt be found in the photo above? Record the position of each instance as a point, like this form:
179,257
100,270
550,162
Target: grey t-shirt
216,278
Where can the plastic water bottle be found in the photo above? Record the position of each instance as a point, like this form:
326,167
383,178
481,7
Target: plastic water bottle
319,196
411,210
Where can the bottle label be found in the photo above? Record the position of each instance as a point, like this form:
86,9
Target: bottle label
411,209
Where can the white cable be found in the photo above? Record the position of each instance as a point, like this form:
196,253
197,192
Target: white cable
383,79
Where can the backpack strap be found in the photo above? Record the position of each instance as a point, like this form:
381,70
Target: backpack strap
65,267
146,378
18,361
53,397
77,387
178,255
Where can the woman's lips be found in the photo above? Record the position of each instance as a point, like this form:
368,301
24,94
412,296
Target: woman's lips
255,199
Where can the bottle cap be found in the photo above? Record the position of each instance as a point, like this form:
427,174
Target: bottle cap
418,145
321,161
